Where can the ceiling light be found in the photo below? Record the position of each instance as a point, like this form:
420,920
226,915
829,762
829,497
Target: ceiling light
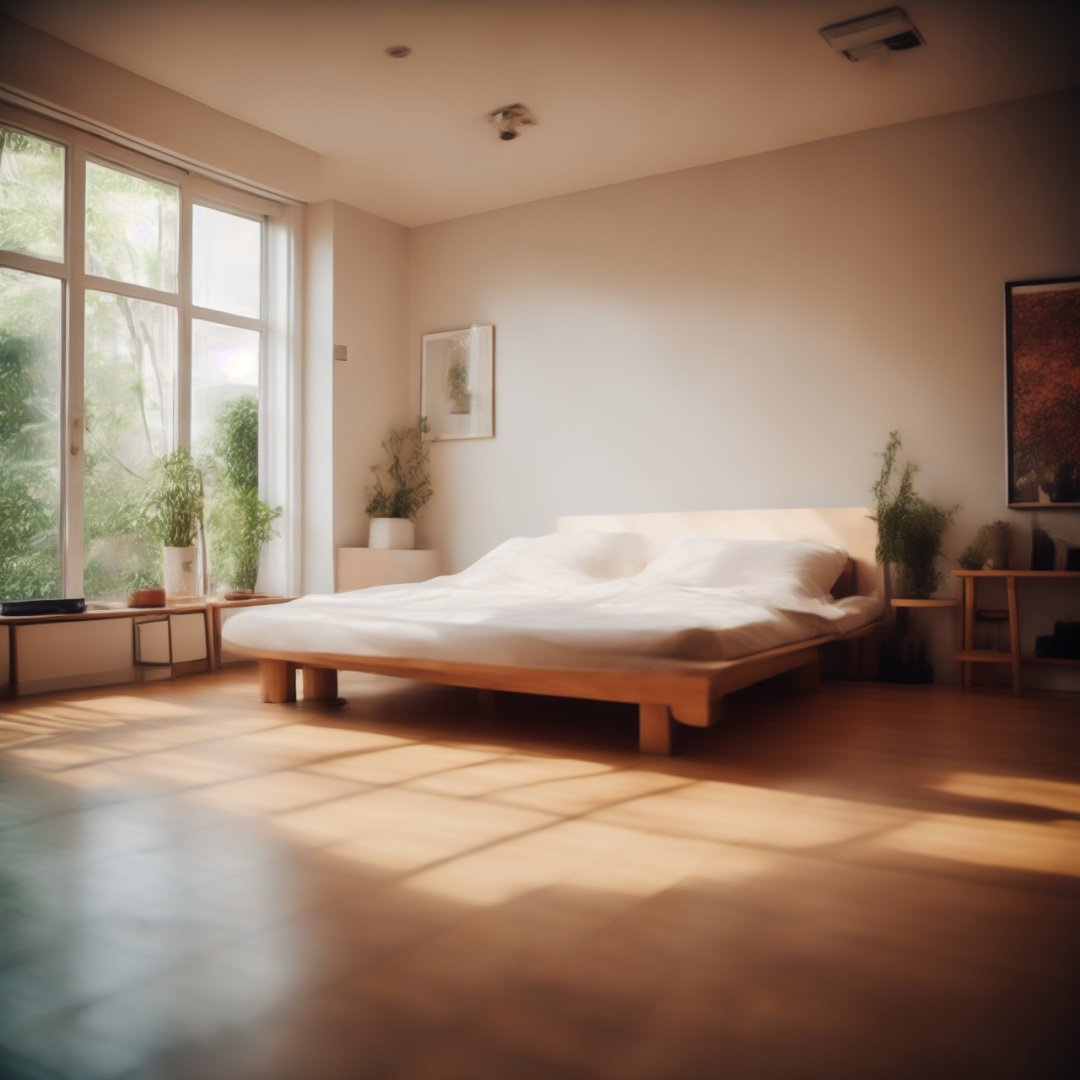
883,31
510,118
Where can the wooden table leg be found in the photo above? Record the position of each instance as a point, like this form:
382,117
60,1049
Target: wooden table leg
1014,632
277,681
969,628
213,635
320,684
654,729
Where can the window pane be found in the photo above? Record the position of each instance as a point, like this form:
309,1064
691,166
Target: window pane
225,433
227,262
130,379
30,307
31,195
132,228
224,366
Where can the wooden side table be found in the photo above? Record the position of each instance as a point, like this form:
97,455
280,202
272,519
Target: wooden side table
969,655
362,568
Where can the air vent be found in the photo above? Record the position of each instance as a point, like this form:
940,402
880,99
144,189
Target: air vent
883,31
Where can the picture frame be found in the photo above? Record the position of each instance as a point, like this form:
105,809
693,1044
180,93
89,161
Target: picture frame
1042,392
457,383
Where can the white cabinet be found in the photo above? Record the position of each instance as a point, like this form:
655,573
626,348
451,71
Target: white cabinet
95,648
361,567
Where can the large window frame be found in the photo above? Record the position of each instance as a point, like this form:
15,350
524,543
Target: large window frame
275,325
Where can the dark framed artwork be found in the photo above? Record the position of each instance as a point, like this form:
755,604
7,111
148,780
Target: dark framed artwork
1042,389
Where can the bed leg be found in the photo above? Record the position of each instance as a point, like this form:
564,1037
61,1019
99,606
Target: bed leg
277,681
320,684
654,729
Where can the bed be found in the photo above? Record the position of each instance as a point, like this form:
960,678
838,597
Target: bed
670,612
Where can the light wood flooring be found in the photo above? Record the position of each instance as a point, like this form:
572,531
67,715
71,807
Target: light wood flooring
864,881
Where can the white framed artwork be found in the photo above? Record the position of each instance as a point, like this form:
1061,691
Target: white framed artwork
457,383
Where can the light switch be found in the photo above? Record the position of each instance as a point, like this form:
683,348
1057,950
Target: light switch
341,352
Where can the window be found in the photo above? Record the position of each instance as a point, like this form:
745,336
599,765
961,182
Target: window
134,318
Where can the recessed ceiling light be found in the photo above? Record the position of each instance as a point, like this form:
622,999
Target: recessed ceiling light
883,31
399,52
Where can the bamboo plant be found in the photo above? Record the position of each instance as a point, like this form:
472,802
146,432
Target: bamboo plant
909,528
173,508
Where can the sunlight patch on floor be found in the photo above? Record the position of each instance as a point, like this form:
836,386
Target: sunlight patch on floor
383,811
402,762
1048,794
603,787
64,755
288,789
1039,848
510,772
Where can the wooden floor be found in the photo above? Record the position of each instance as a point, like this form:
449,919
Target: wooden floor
867,881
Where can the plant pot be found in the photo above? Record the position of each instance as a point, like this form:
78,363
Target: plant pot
180,578
147,598
392,533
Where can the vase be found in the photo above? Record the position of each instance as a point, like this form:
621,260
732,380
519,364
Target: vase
180,573
1002,537
397,533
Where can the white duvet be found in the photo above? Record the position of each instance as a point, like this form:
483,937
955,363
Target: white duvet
584,600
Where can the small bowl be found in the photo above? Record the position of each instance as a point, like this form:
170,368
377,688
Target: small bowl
147,598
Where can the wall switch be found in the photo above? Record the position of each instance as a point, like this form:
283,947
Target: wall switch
341,352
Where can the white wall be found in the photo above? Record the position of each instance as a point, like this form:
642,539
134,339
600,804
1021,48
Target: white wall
355,282
371,388
747,334
317,391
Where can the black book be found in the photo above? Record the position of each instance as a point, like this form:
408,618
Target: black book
74,606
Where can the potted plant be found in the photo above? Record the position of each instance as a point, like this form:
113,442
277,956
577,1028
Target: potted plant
173,511
402,487
240,522
909,528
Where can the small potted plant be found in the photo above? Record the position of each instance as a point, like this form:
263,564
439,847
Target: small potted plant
402,487
240,522
173,511
909,528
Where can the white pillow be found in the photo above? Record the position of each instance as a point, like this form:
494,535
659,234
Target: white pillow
597,555
715,562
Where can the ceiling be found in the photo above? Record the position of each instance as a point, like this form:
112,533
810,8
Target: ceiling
621,88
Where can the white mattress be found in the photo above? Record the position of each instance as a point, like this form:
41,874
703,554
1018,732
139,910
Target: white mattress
532,606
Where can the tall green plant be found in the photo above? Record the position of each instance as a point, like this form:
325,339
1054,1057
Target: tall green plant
406,488
174,500
909,528
240,522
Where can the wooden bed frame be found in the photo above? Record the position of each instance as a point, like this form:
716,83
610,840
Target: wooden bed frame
664,692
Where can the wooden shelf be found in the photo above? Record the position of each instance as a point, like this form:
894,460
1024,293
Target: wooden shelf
983,656
969,655
933,602
1048,574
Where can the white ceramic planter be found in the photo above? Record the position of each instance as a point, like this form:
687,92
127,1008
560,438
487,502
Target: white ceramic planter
180,578
392,533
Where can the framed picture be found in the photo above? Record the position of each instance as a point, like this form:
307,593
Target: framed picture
457,383
1042,379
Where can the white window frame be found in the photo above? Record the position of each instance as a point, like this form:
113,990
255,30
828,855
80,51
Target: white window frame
277,326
